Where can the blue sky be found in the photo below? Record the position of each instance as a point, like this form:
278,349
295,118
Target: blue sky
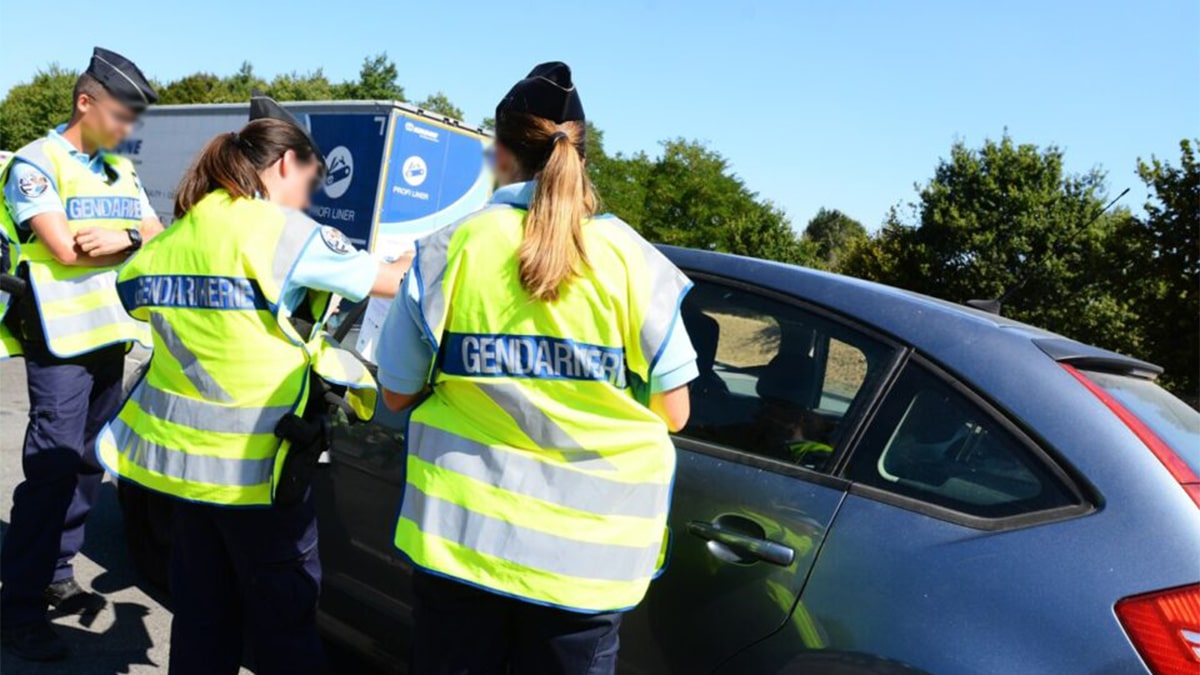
839,104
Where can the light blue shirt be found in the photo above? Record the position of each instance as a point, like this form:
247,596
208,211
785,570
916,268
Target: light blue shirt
28,193
329,262
404,353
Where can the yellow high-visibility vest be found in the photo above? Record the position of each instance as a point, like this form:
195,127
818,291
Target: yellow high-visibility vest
534,469
78,306
228,364
10,346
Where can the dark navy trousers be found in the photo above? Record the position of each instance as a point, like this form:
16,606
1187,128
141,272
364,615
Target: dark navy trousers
463,630
245,580
70,400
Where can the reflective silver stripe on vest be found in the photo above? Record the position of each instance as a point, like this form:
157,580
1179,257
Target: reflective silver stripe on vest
53,290
67,325
205,416
667,285
523,475
35,155
60,327
430,263
192,368
353,370
187,466
297,230
540,428
524,546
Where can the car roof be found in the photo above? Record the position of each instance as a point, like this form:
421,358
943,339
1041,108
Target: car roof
925,322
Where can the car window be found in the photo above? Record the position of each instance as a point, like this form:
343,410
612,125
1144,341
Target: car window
775,380
845,372
931,442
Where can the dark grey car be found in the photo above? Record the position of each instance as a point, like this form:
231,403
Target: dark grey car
872,481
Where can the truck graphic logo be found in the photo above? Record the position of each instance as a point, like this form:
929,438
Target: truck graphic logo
339,165
414,171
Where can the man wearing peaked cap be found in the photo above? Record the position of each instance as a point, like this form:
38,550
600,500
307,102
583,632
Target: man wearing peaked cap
122,79
76,212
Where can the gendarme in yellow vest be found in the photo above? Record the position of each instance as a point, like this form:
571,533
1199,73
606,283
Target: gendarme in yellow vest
78,306
534,469
9,345
227,364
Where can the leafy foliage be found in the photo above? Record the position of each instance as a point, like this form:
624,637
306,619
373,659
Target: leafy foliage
833,234
31,108
690,197
439,103
378,79
1005,221
1158,263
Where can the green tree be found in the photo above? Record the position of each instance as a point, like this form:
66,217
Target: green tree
439,103
208,88
1007,221
195,88
30,109
833,233
690,197
378,79
1159,258
242,84
312,86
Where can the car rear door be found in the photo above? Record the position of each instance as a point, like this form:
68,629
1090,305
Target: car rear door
366,589
782,387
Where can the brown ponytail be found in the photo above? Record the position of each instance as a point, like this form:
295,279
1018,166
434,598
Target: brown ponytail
552,250
233,161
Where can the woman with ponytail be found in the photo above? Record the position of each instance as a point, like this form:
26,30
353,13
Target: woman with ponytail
229,418
541,344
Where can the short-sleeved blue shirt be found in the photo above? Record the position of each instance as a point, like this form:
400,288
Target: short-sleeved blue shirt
28,194
329,262
404,353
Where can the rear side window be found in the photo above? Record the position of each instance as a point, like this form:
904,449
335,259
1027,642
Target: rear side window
1172,420
931,442
776,380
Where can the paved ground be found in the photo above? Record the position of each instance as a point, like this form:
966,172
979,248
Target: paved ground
131,636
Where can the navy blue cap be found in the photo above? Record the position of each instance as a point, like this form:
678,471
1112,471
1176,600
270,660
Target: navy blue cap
122,78
546,92
265,107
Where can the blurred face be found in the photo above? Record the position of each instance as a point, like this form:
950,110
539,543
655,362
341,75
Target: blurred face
504,165
291,181
104,121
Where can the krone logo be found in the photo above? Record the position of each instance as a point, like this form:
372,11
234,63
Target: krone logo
340,166
414,171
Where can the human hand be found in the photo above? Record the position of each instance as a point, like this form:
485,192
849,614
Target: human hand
97,242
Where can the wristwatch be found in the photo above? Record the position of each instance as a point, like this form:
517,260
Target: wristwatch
135,238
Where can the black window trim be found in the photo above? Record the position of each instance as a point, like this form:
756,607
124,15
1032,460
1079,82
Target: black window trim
1087,500
858,414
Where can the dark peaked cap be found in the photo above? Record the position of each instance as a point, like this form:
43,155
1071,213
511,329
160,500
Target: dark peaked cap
546,92
122,78
263,107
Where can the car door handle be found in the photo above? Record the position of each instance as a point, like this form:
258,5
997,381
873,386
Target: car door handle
754,547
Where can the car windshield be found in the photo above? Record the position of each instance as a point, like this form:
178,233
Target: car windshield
1175,422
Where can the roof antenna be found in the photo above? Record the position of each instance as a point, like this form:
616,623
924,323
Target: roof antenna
993,306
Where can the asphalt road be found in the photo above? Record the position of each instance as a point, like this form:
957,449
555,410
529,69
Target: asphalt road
131,635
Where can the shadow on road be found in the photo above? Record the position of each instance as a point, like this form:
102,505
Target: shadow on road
118,638
124,644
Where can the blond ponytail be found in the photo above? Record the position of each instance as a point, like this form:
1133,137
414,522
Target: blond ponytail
552,251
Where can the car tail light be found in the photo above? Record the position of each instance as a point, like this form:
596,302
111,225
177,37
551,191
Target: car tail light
1174,463
1165,628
